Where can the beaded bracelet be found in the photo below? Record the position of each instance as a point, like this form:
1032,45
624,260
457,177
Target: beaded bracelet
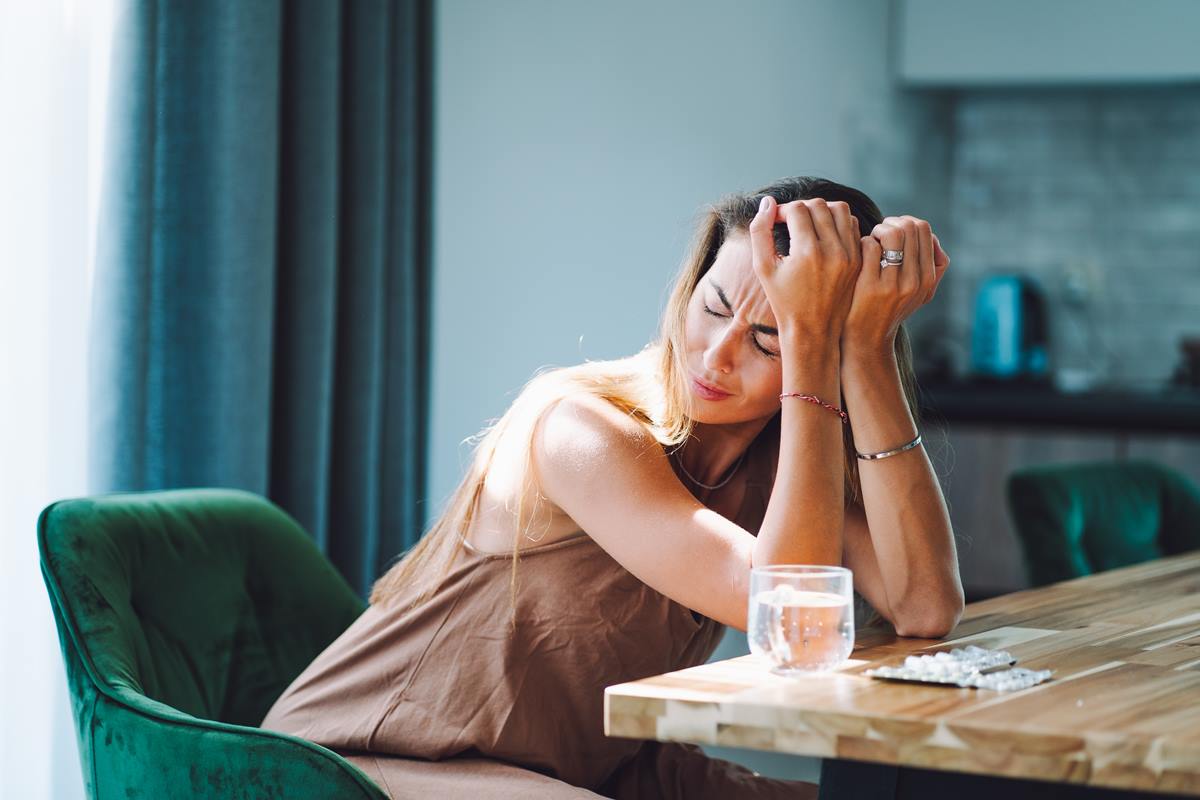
813,399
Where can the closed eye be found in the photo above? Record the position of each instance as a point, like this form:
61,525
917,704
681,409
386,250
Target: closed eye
761,349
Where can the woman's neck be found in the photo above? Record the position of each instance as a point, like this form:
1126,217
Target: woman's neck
714,452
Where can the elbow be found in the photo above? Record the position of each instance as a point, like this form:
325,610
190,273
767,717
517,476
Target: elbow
933,621
936,629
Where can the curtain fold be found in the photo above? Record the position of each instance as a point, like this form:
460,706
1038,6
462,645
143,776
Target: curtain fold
260,313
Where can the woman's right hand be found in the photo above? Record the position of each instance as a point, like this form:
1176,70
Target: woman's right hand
811,288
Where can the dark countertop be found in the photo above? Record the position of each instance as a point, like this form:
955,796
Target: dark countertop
1028,404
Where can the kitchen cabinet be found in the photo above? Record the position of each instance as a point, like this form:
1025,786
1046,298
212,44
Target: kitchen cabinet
961,43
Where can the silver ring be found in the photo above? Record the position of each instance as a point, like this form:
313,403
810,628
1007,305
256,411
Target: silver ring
886,264
893,256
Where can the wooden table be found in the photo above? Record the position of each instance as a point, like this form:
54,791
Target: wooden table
1122,710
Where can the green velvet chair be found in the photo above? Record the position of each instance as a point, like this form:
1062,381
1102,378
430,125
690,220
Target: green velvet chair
1081,518
182,616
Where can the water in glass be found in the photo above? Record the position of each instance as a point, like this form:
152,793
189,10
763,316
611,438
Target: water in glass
801,621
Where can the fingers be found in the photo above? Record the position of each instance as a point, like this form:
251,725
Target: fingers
800,227
894,293
762,238
848,233
829,224
822,216
890,237
872,253
940,262
940,259
911,276
926,271
924,259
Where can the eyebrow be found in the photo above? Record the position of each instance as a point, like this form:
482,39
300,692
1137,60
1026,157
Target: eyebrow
767,329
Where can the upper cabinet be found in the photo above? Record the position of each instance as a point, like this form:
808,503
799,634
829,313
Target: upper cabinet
972,43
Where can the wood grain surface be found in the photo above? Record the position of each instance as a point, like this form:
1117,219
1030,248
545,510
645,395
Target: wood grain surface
1122,709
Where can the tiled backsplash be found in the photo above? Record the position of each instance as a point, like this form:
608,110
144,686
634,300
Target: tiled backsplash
1096,194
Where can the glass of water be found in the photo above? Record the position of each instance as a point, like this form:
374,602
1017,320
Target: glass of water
801,617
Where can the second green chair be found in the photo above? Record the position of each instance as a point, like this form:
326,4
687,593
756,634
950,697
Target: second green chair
1081,518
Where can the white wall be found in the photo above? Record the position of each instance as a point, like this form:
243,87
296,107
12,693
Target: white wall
574,143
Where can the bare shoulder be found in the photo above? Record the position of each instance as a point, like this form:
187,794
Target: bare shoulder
610,474
584,425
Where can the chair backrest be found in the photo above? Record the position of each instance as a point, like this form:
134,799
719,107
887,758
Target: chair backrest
186,606
1080,518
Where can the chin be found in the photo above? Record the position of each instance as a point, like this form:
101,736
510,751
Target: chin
733,416
730,415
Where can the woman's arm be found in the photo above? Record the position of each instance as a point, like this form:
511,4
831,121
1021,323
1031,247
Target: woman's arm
810,291
804,517
909,525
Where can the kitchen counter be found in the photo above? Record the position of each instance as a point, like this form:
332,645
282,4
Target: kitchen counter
1168,409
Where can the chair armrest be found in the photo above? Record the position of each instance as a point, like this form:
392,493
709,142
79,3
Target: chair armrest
174,755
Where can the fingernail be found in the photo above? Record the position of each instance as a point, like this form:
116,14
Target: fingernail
762,205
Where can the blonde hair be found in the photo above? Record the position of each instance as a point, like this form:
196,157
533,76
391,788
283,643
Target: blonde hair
650,386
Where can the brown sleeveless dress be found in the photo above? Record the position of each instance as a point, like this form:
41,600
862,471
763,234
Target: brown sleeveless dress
442,699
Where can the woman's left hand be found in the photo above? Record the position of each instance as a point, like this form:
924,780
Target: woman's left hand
886,296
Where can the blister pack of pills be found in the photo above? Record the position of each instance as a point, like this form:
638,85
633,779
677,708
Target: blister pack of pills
969,667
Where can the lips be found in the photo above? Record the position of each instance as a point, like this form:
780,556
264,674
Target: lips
709,389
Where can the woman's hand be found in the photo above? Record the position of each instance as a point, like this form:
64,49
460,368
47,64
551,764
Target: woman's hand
811,288
886,296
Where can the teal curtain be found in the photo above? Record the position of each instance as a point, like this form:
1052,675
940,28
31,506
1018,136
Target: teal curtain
261,297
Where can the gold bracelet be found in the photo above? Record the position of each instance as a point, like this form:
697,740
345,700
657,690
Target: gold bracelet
886,453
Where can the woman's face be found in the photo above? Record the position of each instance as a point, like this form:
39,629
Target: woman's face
732,342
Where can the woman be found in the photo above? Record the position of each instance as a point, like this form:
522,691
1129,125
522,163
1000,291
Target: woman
615,510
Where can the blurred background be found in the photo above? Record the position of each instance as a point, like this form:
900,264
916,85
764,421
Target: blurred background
312,250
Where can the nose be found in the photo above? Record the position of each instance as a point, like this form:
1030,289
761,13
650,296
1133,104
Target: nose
718,356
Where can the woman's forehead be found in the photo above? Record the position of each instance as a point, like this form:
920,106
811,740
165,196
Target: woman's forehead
734,259
733,273
734,266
